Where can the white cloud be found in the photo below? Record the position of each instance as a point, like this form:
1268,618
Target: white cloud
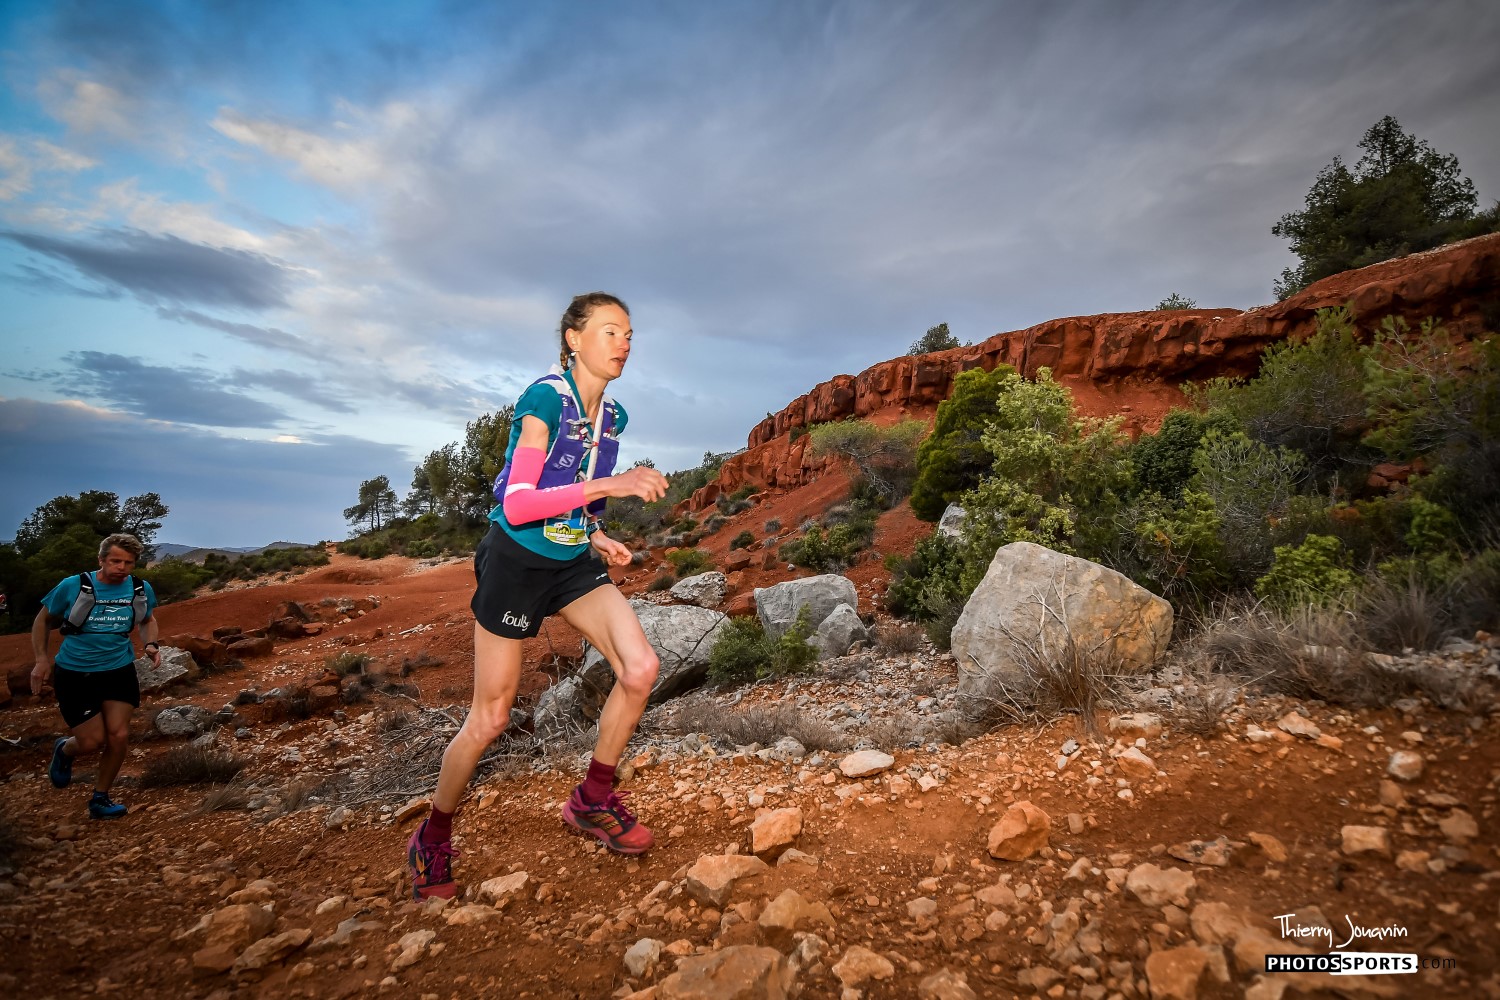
353,156
21,159
88,106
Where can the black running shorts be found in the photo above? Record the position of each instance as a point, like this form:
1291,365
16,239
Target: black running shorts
518,588
81,694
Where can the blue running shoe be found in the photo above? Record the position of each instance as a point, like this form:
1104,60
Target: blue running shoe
61,768
100,807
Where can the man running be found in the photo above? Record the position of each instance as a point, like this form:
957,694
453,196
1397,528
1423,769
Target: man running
93,673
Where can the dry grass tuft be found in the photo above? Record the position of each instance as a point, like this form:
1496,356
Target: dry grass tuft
763,724
224,798
191,765
900,638
1397,616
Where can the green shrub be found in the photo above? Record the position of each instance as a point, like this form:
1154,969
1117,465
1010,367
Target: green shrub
1173,547
1308,396
741,540
1053,480
739,500
1433,528
1475,593
932,585
953,457
833,550
1251,485
686,562
744,652
661,581
1310,573
1427,398
1163,461
345,664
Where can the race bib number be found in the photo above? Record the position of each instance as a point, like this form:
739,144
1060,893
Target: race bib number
566,530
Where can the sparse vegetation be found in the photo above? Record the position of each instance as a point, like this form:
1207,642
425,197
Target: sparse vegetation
191,765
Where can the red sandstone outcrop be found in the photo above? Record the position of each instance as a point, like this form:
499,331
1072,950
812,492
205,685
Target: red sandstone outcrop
1124,363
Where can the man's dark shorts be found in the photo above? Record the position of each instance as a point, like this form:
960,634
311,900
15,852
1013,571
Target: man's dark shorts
81,694
518,588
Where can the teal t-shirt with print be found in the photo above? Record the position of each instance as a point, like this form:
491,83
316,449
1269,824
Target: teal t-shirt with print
105,642
542,401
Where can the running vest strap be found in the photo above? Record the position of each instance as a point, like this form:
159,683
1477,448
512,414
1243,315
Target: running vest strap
83,604
574,456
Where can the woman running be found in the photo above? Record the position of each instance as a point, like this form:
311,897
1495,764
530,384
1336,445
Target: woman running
546,553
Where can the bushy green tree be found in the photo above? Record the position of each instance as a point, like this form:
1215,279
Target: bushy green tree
953,458
1175,301
477,462
937,338
1053,480
1402,196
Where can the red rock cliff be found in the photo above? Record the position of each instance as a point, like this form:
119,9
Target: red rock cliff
1124,363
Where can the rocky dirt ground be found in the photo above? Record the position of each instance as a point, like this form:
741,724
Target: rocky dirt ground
1139,859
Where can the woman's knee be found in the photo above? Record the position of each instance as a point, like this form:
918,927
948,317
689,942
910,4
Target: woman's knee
116,737
88,743
486,722
639,673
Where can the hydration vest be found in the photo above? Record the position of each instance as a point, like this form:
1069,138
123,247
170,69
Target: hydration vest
78,615
567,460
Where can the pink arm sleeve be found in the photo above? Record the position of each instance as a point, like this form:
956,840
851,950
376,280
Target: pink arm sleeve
524,502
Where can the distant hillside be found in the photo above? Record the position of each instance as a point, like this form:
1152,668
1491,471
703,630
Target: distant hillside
196,554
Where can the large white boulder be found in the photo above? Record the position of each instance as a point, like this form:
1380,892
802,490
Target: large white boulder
1037,599
778,606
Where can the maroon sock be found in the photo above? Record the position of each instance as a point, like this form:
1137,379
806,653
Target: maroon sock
599,783
439,827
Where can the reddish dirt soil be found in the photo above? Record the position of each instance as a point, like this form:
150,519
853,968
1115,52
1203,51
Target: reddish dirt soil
101,902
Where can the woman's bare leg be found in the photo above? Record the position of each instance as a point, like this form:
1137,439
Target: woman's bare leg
497,673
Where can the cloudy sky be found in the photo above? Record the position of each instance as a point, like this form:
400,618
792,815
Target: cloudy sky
252,253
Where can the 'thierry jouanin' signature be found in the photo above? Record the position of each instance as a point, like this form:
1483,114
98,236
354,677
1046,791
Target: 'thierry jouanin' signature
1289,929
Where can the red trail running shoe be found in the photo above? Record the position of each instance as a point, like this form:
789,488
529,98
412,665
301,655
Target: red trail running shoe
431,867
610,821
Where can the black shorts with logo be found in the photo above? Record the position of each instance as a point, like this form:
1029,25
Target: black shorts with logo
518,588
81,694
